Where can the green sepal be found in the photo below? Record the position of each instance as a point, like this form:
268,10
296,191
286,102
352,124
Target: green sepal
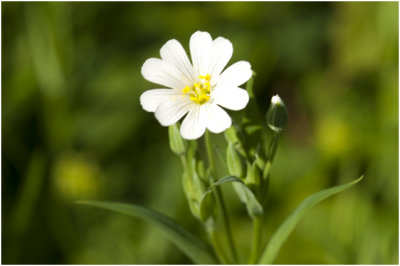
252,129
191,155
201,170
177,144
253,175
233,161
249,85
231,135
259,160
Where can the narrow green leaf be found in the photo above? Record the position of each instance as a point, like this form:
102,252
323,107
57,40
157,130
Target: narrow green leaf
245,194
197,250
279,237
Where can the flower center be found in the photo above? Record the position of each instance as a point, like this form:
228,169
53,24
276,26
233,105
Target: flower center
200,91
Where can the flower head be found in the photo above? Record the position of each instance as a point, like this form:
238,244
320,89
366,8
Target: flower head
197,89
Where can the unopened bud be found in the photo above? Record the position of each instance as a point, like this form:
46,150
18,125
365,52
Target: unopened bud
201,170
233,161
177,144
231,135
194,189
277,116
253,174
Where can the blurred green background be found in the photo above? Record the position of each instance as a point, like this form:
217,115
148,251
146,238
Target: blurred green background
73,128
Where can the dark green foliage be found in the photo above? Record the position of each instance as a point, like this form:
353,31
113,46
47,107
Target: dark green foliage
73,128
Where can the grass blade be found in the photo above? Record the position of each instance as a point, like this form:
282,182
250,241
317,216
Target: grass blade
279,237
197,250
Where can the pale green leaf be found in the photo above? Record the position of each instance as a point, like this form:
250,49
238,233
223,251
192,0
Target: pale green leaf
197,250
245,194
279,237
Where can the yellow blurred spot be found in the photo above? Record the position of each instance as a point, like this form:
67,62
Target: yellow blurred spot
75,177
334,136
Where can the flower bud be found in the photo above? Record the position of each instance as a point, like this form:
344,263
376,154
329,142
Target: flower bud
253,174
231,135
233,161
194,189
201,170
177,144
277,116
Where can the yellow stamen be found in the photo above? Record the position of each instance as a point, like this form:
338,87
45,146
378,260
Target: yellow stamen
199,92
206,77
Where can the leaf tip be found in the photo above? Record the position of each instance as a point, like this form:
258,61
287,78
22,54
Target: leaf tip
360,178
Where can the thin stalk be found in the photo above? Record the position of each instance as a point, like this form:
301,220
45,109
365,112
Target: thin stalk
257,237
272,147
220,199
183,161
210,152
217,247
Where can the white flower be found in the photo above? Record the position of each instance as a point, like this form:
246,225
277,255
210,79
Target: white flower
276,99
197,89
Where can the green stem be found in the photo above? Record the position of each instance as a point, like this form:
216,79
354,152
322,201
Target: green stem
183,161
217,247
227,225
257,237
210,153
272,147
220,198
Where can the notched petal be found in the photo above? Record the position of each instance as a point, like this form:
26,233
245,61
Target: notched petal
169,112
217,120
161,72
151,99
232,98
173,53
236,74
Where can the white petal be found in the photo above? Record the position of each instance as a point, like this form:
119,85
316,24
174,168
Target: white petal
173,52
151,99
193,126
217,120
169,112
232,98
200,49
221,53
236,74
163,73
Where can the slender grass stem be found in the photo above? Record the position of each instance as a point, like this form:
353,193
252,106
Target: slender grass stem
220,199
